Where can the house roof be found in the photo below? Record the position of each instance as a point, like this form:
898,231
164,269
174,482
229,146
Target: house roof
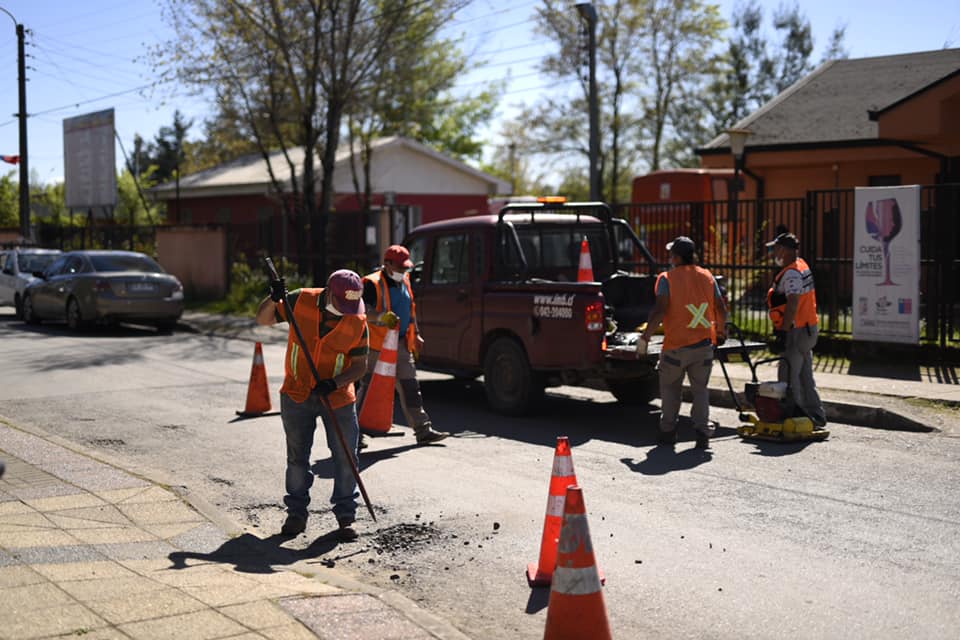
398,164
834,103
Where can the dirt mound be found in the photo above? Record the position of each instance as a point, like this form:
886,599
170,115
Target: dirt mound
405,537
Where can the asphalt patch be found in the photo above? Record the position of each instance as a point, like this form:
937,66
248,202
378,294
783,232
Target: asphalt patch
405,538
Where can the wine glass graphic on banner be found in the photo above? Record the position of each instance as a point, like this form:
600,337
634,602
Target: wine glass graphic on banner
883,224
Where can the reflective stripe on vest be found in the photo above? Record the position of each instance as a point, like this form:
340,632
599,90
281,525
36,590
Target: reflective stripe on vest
330,352
379,331
807,305
691,309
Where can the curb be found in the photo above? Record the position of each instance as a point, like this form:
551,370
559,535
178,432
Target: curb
426,620
844,412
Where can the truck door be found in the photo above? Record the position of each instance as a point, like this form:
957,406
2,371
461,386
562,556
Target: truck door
445,300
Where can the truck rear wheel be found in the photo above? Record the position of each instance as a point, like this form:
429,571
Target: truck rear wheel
634,392
508,381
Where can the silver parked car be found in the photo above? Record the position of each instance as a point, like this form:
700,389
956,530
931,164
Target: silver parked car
16,272
82,287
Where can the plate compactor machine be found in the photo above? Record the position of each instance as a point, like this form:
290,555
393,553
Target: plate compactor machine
778,418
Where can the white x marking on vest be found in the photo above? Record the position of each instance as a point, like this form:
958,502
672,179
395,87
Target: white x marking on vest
699,313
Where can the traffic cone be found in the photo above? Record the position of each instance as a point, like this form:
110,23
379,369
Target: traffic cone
585,272
258,393
376,414
576,608
539,574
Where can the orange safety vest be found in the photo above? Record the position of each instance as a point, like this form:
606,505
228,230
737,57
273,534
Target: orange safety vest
379,331
777,301
692,309
331,352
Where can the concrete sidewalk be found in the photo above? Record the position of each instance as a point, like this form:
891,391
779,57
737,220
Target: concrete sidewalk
87,548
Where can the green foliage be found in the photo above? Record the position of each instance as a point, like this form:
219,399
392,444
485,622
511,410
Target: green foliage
130,203
248,288
9,201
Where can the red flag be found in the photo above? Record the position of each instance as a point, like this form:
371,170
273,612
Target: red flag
11,159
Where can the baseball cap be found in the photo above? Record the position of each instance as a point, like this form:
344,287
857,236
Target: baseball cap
785,239
399,255
682,246
347,287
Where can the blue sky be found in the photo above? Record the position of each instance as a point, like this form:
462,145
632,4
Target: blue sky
85,57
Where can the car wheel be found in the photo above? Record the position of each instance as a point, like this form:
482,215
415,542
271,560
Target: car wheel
28,315
634,392
74,317
18,306
510,385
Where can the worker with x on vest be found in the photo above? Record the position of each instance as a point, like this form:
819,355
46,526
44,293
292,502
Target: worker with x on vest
694,317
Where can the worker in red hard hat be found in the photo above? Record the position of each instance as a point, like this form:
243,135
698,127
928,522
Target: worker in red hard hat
390,304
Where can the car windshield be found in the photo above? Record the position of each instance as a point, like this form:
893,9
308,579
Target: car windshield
31,262
124,262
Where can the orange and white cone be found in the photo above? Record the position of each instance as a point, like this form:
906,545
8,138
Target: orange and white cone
585,272
562,475
376,414
258,393
576,608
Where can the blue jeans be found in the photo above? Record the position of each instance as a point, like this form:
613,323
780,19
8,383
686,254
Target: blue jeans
299,425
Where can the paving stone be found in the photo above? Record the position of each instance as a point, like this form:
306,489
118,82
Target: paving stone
360,617
294,631
72,619
160,513
135,550
93,590
257,615
60,503
99,515
30,597
19,575
58,555
25,538
202,538
99,570
199,625
113,535
148,605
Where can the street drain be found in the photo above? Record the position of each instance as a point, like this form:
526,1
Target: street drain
107,442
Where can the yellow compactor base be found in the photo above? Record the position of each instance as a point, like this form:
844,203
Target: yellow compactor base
790,430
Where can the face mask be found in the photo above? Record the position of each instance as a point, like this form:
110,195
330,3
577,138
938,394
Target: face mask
396,276
332,309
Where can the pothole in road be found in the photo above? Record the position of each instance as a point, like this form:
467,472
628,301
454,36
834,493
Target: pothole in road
405,537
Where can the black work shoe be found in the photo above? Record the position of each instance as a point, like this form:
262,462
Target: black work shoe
667,438
429,435
362,443
294,525
703,440
346,532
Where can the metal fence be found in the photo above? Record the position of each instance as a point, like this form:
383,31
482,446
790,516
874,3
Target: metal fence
731,236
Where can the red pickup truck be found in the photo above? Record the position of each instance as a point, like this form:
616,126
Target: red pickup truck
498,295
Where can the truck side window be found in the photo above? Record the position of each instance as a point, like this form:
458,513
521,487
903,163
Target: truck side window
450,260
418,251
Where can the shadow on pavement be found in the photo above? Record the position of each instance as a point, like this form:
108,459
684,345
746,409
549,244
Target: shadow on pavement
777,449
250,554
662,460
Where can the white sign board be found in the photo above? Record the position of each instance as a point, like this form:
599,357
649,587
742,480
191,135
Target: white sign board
886,264
90,174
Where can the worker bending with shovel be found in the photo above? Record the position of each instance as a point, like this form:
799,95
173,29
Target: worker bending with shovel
334,328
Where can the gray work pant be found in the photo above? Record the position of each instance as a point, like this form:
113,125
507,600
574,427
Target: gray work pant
408,389
796,369
696,363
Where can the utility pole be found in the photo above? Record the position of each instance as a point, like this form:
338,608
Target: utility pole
22,115
589,13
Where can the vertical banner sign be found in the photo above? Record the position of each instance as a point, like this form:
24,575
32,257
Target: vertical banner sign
886,264
90,173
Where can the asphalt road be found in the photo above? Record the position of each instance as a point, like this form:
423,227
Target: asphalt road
856,537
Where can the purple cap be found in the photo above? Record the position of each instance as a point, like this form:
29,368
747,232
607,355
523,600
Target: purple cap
347,287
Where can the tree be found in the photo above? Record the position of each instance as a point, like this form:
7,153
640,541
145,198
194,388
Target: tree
409,94
166,153
288,71
754,71
9,201
649,53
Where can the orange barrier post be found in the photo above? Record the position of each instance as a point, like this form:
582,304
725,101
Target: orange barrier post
576,608
585,272
562,475
258,393
376,414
